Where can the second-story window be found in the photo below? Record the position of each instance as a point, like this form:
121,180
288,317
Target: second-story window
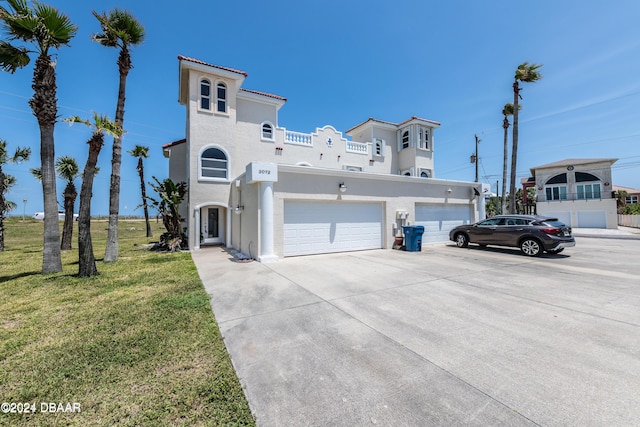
267,131
423,138
556,187
205,94
378,147
213,164
405,139
221,98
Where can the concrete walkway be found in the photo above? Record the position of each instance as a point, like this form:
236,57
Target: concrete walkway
444,337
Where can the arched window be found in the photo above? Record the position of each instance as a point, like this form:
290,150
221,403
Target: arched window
558,179
556,187
267,131
205,94
221,97
213,164
588,186
425,173
586,177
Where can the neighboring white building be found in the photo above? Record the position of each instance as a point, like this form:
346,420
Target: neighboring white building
271,192
577,191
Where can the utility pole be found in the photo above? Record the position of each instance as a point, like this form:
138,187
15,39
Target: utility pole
474,157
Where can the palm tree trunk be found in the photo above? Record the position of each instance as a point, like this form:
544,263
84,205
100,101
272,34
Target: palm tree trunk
3,208
44,106
111,251
144,196
503,201
70,195
514,149
51,257
86,258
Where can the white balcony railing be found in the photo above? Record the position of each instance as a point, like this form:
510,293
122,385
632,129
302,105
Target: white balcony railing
357,147
297,138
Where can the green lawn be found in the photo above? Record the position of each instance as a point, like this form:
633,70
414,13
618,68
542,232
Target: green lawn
137,345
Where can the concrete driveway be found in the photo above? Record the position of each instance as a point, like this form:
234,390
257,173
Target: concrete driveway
444,337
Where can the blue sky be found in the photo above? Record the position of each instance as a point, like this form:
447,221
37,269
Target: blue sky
340,62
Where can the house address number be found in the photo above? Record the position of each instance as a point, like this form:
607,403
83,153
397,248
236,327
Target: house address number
262,172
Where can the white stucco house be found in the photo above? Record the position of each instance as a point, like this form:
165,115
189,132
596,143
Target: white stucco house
576,191
271,192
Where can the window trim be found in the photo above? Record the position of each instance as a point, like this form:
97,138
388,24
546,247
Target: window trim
378,143
209,178
403,141
424,138
548,189
224,100
584,193
262,134
428,172
201,96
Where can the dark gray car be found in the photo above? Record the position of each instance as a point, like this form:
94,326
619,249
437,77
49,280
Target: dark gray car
532,234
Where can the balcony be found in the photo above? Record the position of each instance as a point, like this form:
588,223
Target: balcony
357,147
297,138
570,197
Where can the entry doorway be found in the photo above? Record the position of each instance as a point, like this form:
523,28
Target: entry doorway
212,225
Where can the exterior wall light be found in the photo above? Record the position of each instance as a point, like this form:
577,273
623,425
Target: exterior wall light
238,210
449,190
342,187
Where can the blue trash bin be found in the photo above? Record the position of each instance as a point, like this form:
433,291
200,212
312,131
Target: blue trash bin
413,237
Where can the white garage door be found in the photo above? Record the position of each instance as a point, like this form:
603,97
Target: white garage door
323,227
592,219
438,220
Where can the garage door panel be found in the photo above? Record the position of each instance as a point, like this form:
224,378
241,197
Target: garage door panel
439,219
320,227
592,219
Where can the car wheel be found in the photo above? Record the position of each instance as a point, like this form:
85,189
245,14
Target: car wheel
531,247
556,251
461,240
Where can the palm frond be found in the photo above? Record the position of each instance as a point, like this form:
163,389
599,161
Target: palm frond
139,151
37,173
101,124
119,29
528,73
55,29
12,57
67,168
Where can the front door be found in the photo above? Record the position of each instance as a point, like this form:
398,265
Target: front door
212,226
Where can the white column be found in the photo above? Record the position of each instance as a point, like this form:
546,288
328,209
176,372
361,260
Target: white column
266,223
229,209
196,228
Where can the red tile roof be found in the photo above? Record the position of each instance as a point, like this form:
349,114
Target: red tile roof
174,143
197,61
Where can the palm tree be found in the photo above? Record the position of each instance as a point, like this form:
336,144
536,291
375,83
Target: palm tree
67,169
7,181
527,73
170,196
46,28
120,29
142,152
506,112
100,126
